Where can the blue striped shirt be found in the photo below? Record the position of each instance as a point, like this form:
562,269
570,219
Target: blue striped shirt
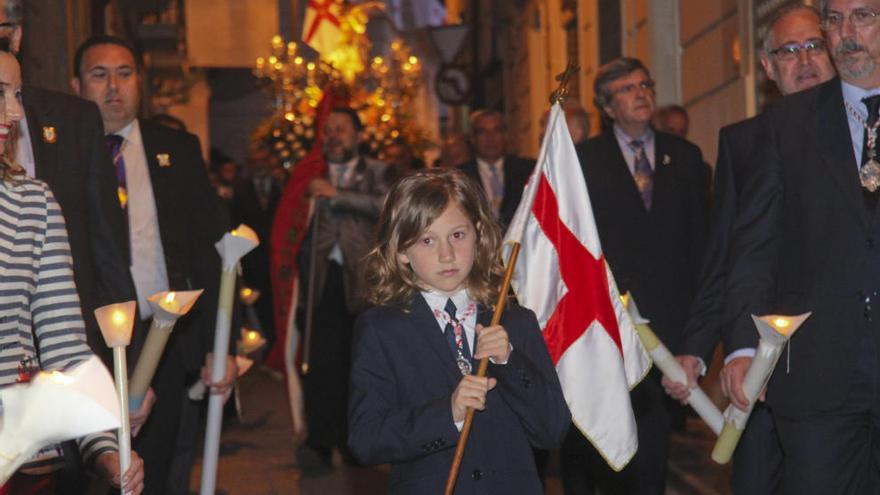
40,316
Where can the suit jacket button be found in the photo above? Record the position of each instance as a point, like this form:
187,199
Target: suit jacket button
477,475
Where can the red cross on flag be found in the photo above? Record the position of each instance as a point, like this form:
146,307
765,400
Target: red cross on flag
321,29
562,276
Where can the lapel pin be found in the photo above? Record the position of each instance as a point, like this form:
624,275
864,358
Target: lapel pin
49,134
164,159
667,160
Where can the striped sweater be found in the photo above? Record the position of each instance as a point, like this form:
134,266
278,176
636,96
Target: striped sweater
39,308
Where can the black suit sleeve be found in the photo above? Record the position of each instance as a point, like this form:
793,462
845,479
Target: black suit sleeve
755,244
699,222
380,429
108,231
207,221
703,330
528,383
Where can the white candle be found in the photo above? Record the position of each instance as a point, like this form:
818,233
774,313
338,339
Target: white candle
167,308
667,364
116,322
775,331
231,247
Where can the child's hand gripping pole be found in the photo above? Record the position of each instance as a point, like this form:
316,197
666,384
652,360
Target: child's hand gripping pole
481,371
775,331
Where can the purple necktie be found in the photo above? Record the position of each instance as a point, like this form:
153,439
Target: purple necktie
642,172
114,142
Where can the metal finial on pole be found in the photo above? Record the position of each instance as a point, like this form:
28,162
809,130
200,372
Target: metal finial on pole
562,91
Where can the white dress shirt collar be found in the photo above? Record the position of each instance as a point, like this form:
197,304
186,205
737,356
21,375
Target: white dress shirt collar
128,133
437,302
148,267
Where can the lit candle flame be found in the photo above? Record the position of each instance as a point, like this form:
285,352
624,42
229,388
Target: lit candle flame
118,318
169,298
253,335
246,292
61,378
781,325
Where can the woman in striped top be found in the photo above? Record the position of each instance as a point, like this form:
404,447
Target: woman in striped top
41,326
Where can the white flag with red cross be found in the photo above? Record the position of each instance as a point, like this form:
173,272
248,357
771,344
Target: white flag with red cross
561,275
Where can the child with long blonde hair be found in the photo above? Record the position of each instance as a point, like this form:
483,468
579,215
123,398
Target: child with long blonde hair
435,273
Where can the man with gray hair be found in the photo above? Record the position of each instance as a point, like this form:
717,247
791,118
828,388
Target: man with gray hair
795,58
648,192
806,240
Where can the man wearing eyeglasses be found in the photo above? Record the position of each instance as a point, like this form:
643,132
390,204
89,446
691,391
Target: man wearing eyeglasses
806,240
795,58
648,193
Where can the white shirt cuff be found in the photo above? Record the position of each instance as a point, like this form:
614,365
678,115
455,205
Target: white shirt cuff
744,352
703,367
492,360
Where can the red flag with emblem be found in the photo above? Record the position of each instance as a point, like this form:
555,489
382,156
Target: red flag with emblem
561,275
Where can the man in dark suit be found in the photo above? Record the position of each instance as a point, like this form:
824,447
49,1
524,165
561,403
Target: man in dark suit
806,241
174,218
795,58
501,176
648,194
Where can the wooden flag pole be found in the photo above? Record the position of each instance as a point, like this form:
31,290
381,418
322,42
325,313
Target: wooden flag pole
481,371
562,91
310,288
